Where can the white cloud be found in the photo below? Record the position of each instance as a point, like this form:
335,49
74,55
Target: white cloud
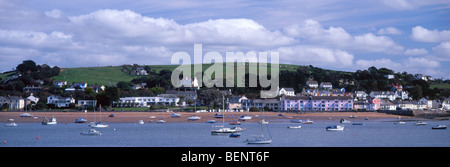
315,55
389,30
412,52
412,65
424,35
442,51
398,4
339,38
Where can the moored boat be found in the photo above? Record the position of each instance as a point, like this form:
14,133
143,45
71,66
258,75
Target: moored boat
439,127
194,118
91,132
263,122
335,128
420,123
294,127
52,121
235,123
211,121
245,117
12,124
219,116
25,115
235,135
259,140
161,121
175,115
98,125
141,122
400,123
344,121
297,121
308,122
80,120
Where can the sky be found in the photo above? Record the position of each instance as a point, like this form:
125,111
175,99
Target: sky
402,35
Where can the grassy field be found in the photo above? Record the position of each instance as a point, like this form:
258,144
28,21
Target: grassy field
113,74
94,75
440,86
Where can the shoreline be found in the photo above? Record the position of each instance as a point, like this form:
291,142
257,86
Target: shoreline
134,117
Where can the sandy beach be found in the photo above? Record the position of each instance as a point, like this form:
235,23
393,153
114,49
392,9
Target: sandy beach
133,117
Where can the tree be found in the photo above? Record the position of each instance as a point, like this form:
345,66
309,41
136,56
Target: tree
26,66
210,96
124,85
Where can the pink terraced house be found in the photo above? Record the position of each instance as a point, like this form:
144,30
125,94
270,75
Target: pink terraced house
316,103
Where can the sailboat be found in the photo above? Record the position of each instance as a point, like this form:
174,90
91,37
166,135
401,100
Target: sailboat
222,129
52,121
260,139
99,123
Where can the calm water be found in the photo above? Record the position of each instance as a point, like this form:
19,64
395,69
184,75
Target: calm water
372,134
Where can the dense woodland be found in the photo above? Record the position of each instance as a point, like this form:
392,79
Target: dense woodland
372,79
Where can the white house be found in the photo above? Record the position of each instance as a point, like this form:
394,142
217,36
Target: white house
286,91
86,103
59,101
446,104
312,84
82,85
14,102
326,85
383,95
148,101
361,95
429,104
32,98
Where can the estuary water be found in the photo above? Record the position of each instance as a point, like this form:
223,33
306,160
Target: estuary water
371,134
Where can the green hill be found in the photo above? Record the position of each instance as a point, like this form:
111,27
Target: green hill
112,74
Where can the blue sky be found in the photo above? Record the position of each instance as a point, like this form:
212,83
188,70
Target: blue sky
403,35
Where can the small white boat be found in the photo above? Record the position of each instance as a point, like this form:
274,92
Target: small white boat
344,121
294,127
335,128
12,124
193,118
141,122
263,122
308,122
353,116
211,121
25,115
223,130
91,132
98,125
175,115
297,121
439,127
259,140
245,118
420,123
219,116
52,121
160,121
400,123
152,117
80,120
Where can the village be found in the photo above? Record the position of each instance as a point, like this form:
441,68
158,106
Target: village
314,97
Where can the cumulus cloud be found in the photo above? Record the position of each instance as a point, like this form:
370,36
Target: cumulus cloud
442,51
413,65
413,52
398,4
389,30
316,55
422,34
338,37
